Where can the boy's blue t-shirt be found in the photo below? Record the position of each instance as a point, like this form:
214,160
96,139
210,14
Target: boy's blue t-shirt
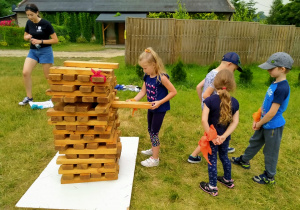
156,91
277,93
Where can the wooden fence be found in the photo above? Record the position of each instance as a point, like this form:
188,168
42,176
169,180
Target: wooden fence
205,41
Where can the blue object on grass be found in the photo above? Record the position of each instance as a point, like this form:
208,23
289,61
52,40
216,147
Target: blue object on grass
34,106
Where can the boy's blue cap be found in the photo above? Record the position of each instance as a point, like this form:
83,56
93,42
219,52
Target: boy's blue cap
233,58
279,59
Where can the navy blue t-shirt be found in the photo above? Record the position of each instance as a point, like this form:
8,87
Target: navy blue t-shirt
213,103
41,31
156,91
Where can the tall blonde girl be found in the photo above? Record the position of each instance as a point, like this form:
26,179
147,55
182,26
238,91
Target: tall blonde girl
159,91
222,111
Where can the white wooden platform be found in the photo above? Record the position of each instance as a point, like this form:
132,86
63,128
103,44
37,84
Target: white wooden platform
47,192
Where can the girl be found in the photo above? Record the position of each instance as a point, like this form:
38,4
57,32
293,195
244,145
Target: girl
159,91
222,111
37,31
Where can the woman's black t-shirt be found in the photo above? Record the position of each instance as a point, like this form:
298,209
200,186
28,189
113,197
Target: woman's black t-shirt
41,30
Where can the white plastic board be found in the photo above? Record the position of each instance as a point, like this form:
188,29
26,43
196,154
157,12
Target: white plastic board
47,192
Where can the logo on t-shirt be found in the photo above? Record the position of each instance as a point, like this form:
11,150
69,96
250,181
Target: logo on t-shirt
39,29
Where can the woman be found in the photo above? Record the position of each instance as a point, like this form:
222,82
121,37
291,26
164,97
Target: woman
37,31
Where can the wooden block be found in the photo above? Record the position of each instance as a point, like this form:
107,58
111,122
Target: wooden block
97,79
131,104
69,77
70,118
92,145
91,64
111,175
57,99
59,106
71,99
55,77
85,176
67,177
60,127
99,128
83,78
96,165
109,156
89,99
100,156
69,108
83,107
56,118
82,166
100,89
86,89
109,165
56,87
71,156
68,88
61,147
103,117
59,136
75,136
103,100
83,118
96,175
88,137
84,156
67,167
79,146
82,128
102,108
70,127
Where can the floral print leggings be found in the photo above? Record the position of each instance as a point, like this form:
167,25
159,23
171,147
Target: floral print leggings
223,155
155,120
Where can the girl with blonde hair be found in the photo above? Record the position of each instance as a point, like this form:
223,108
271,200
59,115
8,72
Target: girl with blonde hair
222,111
159,91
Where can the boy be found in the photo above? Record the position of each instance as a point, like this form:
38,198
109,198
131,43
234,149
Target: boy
230,61
268,130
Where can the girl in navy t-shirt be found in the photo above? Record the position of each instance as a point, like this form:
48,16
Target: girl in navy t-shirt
159,91
222,111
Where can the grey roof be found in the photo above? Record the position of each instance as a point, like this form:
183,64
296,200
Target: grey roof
128,6
111,17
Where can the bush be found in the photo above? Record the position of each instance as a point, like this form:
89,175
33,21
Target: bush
178,73
60,30
13,36
81,39
246,76
139,71
62,40
213,66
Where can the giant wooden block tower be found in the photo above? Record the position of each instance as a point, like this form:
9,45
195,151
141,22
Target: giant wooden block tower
86,120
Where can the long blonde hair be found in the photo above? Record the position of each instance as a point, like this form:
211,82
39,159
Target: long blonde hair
224,83
151,57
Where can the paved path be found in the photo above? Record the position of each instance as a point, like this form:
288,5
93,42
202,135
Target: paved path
107,53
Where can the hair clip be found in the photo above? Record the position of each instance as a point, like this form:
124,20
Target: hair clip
224,88
147,50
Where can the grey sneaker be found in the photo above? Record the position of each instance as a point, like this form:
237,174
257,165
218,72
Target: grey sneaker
150,162
147,152
25,101
231,150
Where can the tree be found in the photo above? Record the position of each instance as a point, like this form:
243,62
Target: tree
6,7
275,14
244,11
288,14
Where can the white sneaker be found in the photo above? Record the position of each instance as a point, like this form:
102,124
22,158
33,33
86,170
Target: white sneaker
147,152
150,162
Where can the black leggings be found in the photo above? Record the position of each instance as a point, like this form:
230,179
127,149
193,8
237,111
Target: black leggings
155,120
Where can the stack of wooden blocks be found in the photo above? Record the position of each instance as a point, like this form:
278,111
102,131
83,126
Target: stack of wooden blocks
86,125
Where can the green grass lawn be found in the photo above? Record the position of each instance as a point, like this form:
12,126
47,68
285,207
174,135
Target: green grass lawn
26,144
